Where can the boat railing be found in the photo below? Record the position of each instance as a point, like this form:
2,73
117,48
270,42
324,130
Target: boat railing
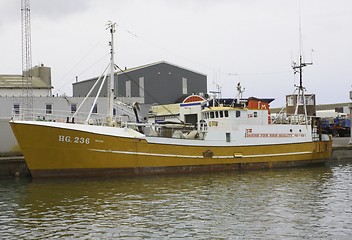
166,130
50,115
67,117
293,119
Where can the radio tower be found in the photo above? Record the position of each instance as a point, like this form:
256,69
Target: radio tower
27,91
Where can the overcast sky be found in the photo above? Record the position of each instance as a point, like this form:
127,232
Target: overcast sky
249,41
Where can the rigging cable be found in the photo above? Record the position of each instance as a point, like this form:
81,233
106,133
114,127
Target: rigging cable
79,62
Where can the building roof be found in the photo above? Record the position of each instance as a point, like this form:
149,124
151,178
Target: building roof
267,100
141,67
16,81
156,63
321,107
318,107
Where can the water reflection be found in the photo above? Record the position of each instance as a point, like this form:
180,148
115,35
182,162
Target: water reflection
287,203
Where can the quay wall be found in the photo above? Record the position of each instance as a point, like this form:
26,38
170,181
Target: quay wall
8,144
13,167
341,153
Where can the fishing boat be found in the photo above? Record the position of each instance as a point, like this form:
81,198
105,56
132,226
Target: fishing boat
212,134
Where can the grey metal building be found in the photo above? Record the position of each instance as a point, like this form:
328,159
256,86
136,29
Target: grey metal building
159,82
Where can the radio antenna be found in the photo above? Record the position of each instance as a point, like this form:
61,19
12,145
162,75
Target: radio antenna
298,68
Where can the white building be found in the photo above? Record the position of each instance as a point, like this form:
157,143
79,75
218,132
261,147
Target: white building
40,83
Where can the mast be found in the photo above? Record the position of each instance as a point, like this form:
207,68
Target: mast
110,83
299,69
300,88
240,92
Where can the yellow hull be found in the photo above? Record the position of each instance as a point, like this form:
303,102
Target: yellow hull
51,151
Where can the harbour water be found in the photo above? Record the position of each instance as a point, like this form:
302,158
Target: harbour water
297,203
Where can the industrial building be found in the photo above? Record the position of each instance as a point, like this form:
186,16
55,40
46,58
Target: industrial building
12,85
291,104
159,82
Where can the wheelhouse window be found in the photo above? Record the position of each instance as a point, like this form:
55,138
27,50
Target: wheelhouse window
217,114
221,114
226,114
49,109
238,114
211,114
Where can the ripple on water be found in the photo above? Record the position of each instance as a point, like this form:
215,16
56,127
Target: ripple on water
287,203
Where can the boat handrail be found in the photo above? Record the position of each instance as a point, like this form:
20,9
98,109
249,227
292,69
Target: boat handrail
293,119
58,116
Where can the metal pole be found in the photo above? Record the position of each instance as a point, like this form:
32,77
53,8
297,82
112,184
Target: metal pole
350,105
110,83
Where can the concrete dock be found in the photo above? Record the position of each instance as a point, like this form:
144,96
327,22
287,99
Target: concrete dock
341,149
16,166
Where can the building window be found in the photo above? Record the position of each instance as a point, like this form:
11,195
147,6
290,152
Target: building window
49,109
300,100
184,85
16,109
228,137
95,108
141,86
128,88
309,100
290,101
73,108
